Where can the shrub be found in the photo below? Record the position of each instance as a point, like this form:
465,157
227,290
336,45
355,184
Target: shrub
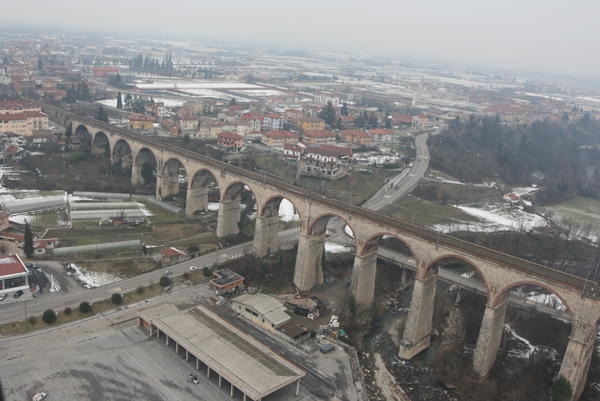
185,275
140,289
165,281
206,271
313,334
116,299
85,307
49,316
32,320
67,311
562,389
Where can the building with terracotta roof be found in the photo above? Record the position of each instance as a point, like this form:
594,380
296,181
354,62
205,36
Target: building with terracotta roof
169,256
304,124
321,136
277,139
188,123
102,72
325,160
382,135
272,122
356,136
230,141
141,121
18,106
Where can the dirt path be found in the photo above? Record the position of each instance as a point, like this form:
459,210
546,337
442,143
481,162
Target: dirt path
386,382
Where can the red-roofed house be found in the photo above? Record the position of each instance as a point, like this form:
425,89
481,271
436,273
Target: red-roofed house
231,141
356,136
141,121
169,256
325,159
322,136
382,135
277,139
272,122
292,151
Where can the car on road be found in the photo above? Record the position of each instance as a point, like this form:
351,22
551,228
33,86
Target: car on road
3,296
167,272
192,268
18,294
397,187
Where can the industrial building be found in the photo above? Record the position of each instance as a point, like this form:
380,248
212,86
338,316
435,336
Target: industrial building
226,280
218,347
13,274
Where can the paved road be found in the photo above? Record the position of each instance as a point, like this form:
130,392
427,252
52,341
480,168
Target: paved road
58,301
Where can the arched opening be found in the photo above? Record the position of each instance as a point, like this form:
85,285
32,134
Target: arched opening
240,192
100,145
122,160
143,176
535,336
81,130
202,194
173,186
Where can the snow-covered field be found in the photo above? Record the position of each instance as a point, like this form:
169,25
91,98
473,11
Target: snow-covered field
92,279
198,85
262,92
168,102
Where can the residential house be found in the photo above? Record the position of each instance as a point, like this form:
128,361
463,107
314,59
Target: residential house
356,136
194,106
42,246
293,113
291,151
304,124
157,110
188,123
347,122
216,128
141,121
382,135
24,123
169,256
252,123
272,122
230,141
18,106
325,159
170,126
326,97
277,139
184,112
227,116
102,72
319,136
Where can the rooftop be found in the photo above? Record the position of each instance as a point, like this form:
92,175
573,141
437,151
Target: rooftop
10,265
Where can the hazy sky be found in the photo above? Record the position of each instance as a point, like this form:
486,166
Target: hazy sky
547,35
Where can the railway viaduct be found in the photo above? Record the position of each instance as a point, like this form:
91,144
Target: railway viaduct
500,272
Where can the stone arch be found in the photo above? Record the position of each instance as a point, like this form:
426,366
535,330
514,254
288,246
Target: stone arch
432,267
200,178
372,243
318,225
140,158
271,206
169,177
196,199
100,144
80,129
234,189
122,153
502,295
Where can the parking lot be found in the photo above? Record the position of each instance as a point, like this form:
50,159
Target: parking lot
111,358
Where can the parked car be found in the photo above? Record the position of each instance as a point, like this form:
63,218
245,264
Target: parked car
39,396
167,272
192,268
18,294
3,296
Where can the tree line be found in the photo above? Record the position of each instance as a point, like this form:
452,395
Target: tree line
561,156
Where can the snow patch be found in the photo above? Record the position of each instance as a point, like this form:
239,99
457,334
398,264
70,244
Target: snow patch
91,279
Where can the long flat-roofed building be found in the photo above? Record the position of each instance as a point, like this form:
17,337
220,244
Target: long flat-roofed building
245,363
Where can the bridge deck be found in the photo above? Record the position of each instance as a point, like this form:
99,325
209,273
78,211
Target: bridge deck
586,287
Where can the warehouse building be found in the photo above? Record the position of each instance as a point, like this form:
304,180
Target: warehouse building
221,349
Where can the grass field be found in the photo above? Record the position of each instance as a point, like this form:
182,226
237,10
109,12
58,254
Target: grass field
582,210
425,213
